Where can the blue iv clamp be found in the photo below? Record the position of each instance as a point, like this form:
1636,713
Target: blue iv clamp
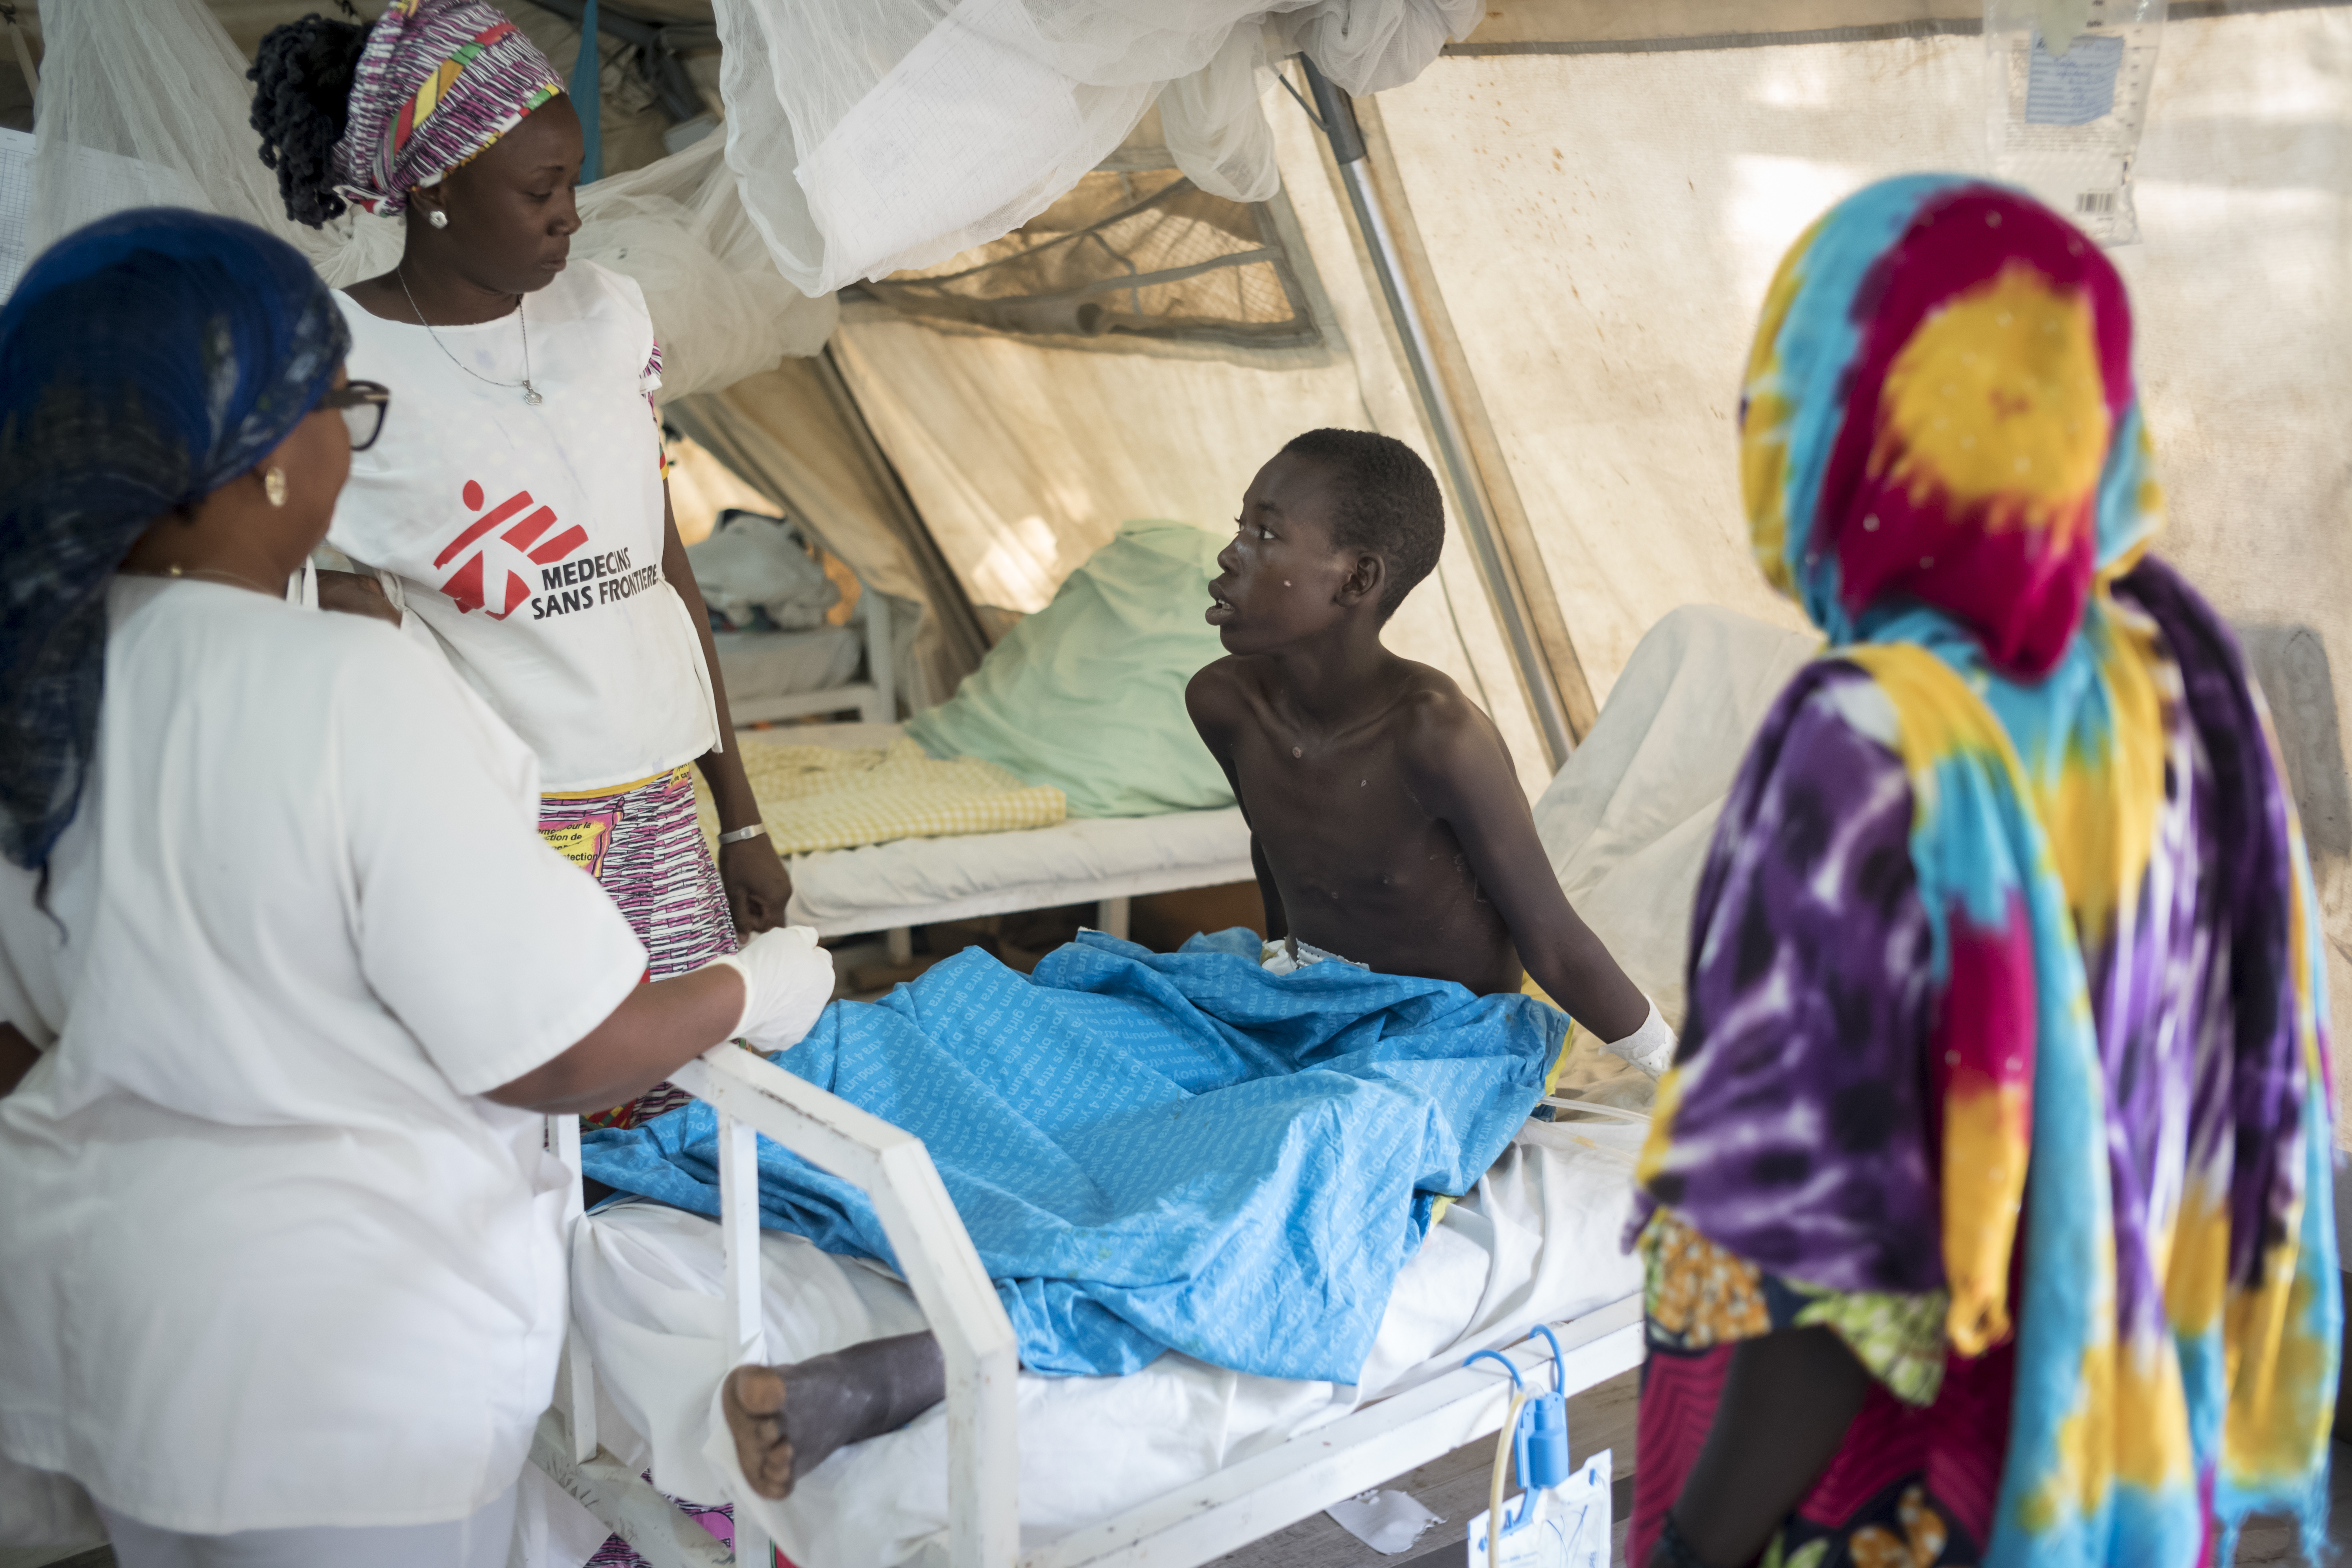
1539,1441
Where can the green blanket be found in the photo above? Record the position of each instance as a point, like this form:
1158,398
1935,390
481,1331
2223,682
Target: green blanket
1089,693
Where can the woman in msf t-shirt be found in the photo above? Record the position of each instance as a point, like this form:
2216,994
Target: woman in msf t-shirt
518,506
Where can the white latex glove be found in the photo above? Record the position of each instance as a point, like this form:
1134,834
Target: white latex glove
1650,1047
787,981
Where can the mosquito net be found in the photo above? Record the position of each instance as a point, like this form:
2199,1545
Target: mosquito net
145,101
873,136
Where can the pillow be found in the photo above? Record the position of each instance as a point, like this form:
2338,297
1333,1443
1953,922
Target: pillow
1089,693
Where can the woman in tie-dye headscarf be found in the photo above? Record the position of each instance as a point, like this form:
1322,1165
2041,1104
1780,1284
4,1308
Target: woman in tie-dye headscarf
1986,1216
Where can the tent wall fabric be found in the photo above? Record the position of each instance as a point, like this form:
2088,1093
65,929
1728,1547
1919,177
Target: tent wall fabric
985,431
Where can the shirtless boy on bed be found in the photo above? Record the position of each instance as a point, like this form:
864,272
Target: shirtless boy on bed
1387,826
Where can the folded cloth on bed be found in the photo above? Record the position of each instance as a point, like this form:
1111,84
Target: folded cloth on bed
837,797
1155,1150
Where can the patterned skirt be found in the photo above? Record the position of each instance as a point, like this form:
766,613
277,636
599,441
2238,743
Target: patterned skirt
1914,1483
645,847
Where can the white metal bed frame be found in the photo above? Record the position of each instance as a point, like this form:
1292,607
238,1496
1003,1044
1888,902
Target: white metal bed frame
1188,1526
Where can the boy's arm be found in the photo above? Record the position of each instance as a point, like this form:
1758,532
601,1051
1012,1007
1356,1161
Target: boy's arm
1277,923
1209,701
1462,775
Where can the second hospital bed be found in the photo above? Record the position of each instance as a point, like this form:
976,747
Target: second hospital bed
1104,861
1181,1463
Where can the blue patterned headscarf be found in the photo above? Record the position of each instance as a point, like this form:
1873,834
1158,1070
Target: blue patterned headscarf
145,361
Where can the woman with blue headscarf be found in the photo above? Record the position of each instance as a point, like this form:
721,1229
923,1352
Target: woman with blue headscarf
1986,1216
280,1004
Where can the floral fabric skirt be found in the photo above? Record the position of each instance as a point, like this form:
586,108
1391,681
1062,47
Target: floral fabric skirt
643,845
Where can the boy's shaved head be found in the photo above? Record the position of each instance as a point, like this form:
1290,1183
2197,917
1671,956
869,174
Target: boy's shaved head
1383,498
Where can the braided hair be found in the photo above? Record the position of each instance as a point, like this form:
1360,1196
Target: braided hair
302,78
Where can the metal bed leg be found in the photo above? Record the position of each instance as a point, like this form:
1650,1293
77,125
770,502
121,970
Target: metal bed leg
898,944
1111,915
579,1377
747,1334
882,706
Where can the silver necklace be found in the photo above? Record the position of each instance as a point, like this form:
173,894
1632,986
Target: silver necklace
529,392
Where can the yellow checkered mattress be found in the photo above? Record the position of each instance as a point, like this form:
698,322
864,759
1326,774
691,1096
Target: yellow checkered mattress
831,798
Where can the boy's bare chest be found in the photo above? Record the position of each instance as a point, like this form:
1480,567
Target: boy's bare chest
1339,817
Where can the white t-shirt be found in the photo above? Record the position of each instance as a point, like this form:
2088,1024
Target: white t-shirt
529,539
269,1259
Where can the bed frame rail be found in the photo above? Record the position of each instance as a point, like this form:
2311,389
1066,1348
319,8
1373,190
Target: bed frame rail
1230,1508
933,1254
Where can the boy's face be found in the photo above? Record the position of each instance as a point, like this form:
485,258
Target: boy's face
1280,579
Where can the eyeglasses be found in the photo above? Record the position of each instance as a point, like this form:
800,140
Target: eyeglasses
364,404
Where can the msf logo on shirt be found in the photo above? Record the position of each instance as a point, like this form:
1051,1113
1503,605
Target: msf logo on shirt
492,576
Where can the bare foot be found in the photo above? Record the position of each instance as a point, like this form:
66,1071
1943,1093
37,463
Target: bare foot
788,1420
754,1401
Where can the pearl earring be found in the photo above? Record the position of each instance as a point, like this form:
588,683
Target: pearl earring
273,485
438,218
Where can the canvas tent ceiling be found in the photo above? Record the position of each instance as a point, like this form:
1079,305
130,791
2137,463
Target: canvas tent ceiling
1600,191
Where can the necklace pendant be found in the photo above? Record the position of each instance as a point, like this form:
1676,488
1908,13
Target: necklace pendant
530,394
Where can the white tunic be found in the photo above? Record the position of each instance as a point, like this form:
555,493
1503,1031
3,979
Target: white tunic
270,1262
529,539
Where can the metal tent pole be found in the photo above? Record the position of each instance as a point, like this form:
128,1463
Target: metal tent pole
1339,121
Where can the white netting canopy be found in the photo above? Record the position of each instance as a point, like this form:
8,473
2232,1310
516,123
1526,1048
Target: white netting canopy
146,102
876,135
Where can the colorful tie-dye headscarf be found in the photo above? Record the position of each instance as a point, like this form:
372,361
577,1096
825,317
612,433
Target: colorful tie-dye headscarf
438,81
145,361
1944,462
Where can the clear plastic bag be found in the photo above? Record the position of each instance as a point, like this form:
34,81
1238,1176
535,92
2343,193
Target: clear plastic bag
875,135
2066,96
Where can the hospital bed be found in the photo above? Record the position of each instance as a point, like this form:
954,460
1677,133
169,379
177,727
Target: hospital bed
1625,824
1104,861
1305,1445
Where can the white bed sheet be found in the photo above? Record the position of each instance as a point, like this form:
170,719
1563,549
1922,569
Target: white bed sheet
1536,1242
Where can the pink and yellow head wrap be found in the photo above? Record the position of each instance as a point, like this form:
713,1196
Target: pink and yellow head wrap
438,81
1939,409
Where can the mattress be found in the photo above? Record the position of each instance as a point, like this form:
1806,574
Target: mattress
1537,1241
786,664
917,882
